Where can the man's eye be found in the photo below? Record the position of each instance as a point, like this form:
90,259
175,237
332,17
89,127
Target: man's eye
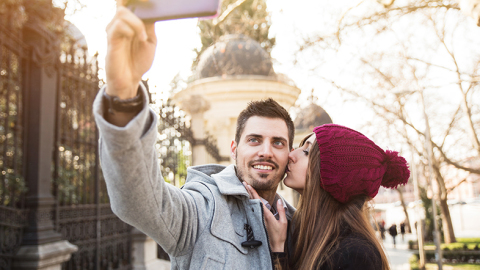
279,143
253,140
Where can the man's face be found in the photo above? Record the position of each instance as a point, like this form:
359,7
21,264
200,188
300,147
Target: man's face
261,155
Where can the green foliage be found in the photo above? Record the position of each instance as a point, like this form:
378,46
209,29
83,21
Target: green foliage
462,244
453,256
182,161
413,260
250,18
414,265
468,240
12,188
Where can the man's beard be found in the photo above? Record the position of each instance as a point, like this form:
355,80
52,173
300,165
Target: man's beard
262,184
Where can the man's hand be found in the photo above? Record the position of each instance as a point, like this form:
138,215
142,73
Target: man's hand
277,229
130,53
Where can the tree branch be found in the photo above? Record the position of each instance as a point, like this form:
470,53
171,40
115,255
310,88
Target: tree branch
456,185
387,110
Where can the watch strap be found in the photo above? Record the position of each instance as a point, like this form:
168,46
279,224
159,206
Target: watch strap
114,104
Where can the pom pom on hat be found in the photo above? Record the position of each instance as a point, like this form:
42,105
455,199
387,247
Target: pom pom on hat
397,172
351,164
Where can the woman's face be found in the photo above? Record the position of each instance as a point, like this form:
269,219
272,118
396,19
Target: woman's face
297,166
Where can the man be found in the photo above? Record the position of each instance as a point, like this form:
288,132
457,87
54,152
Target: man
211,223
393,232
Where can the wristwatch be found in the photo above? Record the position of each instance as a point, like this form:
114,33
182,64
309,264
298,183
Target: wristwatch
114,104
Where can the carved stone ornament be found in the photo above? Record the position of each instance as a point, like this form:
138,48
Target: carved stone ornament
195,104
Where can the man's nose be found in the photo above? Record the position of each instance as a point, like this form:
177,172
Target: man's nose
266,151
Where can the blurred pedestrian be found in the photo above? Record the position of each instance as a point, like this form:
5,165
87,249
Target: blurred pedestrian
393,232
402,230
382,229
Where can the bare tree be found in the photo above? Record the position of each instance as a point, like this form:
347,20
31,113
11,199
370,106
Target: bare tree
429,46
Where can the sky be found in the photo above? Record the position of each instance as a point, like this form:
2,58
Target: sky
177,39
291,22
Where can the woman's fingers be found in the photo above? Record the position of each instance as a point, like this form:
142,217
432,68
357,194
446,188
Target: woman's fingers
253,194
277,229
281,212
248,189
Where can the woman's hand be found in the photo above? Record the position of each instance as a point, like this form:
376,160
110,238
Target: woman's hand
277,229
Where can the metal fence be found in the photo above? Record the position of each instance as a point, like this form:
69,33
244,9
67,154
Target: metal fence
175,143
12,186
82,213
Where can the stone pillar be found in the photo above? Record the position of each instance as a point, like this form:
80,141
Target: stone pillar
196,106
145,253
42,247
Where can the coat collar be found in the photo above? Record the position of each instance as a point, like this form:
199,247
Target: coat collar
225,178
227,182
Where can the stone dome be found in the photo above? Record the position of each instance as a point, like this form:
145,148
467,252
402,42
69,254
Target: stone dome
310,117
234,55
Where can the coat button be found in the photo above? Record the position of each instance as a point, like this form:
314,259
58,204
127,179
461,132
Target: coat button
253,210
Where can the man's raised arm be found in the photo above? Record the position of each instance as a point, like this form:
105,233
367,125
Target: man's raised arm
138,194
130,53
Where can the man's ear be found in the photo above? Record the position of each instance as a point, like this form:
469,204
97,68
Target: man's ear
233,150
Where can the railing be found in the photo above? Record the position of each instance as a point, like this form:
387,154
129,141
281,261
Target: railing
12,185
83,215
175,144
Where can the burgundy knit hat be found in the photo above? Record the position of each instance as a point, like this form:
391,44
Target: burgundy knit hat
351,164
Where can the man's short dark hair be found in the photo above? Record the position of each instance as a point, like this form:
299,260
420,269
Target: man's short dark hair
268,108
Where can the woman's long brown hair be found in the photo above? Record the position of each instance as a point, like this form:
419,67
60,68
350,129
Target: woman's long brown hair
320,220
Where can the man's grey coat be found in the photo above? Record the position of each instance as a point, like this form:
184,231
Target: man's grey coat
200,226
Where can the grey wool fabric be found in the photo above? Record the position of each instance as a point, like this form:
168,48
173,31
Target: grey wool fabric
201,225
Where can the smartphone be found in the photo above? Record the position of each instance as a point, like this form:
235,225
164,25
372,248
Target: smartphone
160,10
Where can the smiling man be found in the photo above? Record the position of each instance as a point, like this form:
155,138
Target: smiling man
263,140
211,222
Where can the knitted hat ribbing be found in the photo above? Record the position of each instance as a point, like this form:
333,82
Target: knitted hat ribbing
351,164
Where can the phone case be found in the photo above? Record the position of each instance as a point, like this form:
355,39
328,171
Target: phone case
159,10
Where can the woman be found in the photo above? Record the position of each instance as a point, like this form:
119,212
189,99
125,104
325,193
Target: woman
337,171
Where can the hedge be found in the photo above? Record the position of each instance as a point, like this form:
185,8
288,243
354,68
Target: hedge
453,256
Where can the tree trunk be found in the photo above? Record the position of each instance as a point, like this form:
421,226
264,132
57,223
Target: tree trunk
448,233
402,200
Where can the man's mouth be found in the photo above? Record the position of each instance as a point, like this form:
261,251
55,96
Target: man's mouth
263,167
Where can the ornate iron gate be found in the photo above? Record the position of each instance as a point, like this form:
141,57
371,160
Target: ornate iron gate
175,143
83,215
13,53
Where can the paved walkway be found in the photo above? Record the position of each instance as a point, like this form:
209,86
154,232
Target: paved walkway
399,255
